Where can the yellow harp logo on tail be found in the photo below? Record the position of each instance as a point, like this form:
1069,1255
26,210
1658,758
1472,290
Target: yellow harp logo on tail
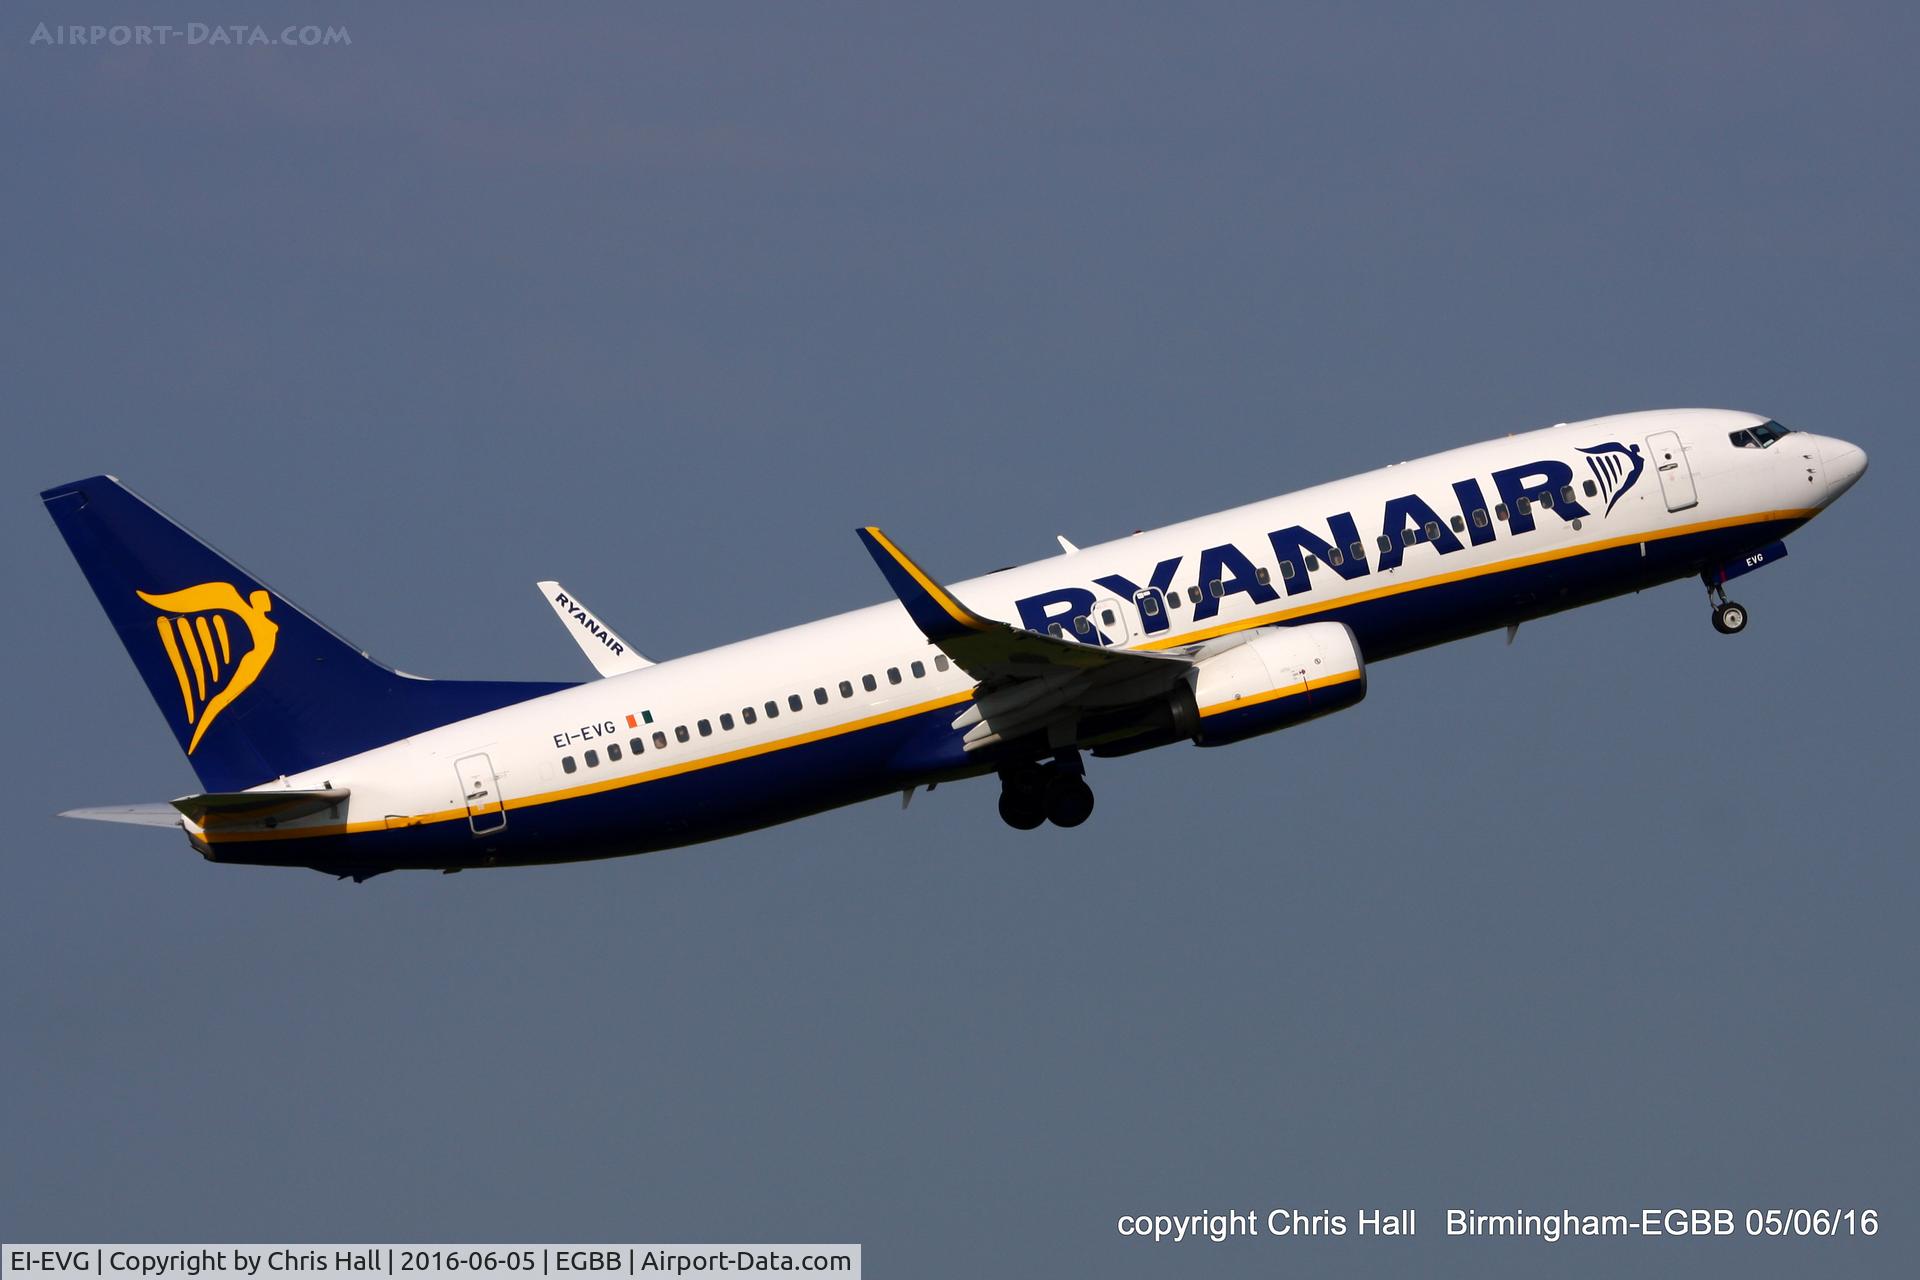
208,656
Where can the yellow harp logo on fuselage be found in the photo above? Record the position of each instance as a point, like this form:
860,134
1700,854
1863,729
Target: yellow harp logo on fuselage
207,656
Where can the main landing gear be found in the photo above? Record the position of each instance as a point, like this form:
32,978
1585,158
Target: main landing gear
1729,619
1055,792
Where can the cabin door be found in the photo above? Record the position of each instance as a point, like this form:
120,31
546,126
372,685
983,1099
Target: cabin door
1676,477
486,809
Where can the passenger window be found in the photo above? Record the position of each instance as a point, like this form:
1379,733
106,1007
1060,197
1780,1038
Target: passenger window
748,715
1409,536
592,758
1335,559
1261,576
1500,512
1193,594
1589,488
637,745
1106,617
613,752
1459,524
660,740
893,675
846,688
793,702
919,670
1173,600
726,719
1546,500
773,710
1433,531
940,662
820,696
706,728
1566,493
680,733
1359,552
1479,517
1150,605
1057,631
567,765
1386,543
1313,562
1082,625
868,683
1286,570
1522,507
1213,588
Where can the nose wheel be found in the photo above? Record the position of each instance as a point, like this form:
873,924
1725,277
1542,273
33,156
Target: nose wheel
1729,618
1055,792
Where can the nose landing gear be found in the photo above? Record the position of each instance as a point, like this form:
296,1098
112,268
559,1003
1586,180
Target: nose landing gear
1056,792
1729,619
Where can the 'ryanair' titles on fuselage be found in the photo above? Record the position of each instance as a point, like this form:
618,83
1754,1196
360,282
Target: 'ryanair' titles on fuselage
1298,549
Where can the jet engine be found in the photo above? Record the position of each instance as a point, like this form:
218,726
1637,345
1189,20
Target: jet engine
1279,676
1275,677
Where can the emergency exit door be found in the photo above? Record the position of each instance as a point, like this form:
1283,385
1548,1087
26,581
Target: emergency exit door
1110,621
1676,477
486,808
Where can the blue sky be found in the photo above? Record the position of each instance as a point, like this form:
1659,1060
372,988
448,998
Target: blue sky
664,301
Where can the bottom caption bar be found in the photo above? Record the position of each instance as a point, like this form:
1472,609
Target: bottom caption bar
421,1261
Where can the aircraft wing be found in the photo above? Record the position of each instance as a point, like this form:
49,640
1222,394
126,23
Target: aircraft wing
609,654
995,652
1029,683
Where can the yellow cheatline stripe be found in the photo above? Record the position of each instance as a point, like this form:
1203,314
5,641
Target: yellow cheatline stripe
616,783
612,784
1288,692
206,646
955,610
193,653
179,667
1461,575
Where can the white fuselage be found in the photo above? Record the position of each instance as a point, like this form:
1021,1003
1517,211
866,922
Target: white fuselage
1231,572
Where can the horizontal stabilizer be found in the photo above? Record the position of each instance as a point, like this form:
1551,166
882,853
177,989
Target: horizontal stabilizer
609,654
138,815
250,808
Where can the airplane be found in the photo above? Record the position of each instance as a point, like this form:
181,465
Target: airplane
1210,631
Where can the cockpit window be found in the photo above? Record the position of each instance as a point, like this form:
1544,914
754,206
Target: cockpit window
1759,437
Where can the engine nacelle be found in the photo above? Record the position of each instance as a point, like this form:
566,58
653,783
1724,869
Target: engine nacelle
1279,676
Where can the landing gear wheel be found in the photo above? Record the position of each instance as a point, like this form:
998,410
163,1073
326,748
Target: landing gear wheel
1069,801
1022,809
1729,619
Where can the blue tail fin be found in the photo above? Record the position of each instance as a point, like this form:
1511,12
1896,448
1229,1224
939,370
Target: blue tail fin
253,687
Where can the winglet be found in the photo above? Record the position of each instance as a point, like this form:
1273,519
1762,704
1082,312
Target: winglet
609,654
933,610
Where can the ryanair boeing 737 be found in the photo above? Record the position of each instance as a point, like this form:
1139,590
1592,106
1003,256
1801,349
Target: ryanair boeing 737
311,754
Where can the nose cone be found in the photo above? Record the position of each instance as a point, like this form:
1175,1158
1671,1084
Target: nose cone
1843,463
